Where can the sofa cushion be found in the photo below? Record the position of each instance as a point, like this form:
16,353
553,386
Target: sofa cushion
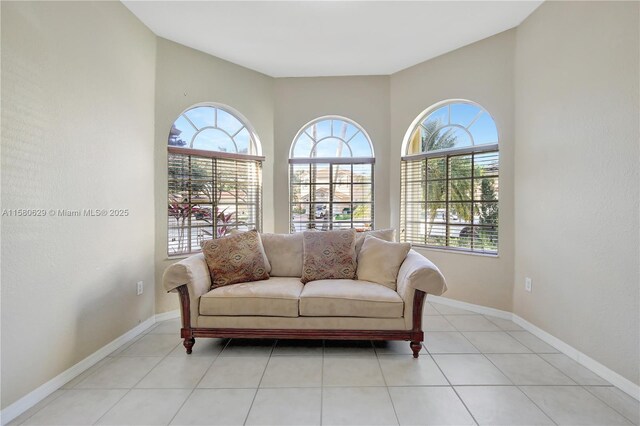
277,297
379,261
329,255
284,252
349,298
236,258
383,234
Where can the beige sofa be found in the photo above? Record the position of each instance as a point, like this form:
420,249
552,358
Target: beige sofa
283,307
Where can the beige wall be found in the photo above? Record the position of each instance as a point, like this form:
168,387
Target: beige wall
77,132
185,77
79,97
481,72
364,100
577,178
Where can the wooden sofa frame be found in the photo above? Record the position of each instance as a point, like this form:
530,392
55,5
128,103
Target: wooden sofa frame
415,336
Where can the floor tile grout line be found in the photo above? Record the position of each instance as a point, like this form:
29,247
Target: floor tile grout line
469,341
555,351
544,360
197,384
489,318
386,385
110,358
518,386
114,404
585,387
136,383
347,386
534,403
64,390
40,409
260,382
459,309
454,391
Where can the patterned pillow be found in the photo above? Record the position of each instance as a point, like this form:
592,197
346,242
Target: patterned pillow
236,259
329,255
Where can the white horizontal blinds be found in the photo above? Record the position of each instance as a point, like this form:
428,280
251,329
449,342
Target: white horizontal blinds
330,195
208,197
412,201
451,201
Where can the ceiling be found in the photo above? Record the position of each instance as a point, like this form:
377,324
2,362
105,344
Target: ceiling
328,38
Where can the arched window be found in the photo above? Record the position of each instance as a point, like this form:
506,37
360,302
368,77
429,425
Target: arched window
449,175
215,177
331,176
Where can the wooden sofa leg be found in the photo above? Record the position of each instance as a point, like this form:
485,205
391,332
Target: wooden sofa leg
415,347
188,344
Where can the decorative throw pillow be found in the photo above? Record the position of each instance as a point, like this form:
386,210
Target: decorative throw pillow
236,259
329,255
284,253
383,234
234,231
379,261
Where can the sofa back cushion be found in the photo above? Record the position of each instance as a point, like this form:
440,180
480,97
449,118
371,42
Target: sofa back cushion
236,258
329,255
284,252
383,234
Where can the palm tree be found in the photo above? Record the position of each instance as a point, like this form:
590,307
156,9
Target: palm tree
435,138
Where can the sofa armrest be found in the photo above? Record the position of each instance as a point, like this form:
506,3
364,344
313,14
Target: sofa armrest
193,273
419,273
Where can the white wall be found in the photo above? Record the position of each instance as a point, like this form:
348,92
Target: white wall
77,132
185,77
365,100
481,72
576,178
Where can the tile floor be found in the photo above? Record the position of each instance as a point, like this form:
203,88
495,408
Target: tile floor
475,369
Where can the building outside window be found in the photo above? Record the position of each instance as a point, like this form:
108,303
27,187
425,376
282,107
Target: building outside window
331,167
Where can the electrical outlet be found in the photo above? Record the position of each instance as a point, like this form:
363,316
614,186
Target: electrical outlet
140,288
527,284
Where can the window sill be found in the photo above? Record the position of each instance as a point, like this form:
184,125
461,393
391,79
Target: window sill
454,251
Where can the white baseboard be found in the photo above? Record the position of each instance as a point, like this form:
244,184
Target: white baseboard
470,307
625,385
37,395
607,374
168,315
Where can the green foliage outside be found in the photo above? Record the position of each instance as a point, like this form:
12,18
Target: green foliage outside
461,192
194,180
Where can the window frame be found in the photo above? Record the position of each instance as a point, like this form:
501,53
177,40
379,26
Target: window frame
446,154
215,156
331,162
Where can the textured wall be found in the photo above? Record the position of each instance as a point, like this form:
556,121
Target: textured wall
364,100
77,132
185,77
576,177
481,72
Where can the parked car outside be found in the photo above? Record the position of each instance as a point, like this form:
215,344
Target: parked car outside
321,211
